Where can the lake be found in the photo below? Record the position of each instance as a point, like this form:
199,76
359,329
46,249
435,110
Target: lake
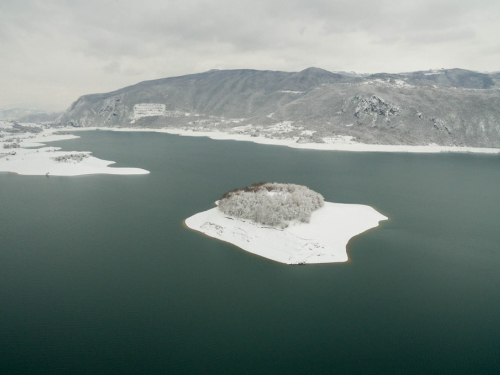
98,274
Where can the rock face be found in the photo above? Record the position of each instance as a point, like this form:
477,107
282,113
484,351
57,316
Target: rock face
452,107
374,107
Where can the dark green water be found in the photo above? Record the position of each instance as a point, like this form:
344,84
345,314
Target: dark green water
98,274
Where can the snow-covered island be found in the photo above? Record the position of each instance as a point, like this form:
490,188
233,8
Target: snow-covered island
286,223
22,152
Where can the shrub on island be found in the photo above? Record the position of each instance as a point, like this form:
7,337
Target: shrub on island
272,203
77,158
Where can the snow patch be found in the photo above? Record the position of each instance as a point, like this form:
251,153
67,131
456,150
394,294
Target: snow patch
281,127
400,83
147,110
433,72
245,129
339,139
307,132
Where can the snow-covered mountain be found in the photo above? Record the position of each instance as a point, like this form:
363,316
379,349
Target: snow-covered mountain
445,106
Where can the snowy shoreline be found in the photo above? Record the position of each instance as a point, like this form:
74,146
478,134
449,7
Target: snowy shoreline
340,145
322,240
30,158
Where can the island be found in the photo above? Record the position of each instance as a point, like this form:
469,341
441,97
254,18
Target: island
286,223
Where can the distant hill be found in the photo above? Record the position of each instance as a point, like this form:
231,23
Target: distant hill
445,107
41,117
17,113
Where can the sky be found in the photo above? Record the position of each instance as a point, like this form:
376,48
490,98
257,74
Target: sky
53,51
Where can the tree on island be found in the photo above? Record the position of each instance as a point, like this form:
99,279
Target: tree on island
272,203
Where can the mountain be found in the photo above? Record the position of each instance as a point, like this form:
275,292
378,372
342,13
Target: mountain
446,107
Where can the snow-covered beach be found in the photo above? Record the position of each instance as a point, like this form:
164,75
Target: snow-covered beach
322,240
24,153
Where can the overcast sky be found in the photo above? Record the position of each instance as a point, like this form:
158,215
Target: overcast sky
52,51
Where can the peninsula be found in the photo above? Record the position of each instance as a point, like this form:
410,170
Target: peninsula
22,151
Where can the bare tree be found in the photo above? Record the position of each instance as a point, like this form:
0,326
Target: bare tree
272,204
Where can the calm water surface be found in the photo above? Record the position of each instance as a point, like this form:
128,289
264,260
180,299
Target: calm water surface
99,275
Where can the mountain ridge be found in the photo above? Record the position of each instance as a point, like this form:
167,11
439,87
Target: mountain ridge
449,107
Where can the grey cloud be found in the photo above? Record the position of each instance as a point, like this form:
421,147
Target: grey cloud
112,67
441,36
99,45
